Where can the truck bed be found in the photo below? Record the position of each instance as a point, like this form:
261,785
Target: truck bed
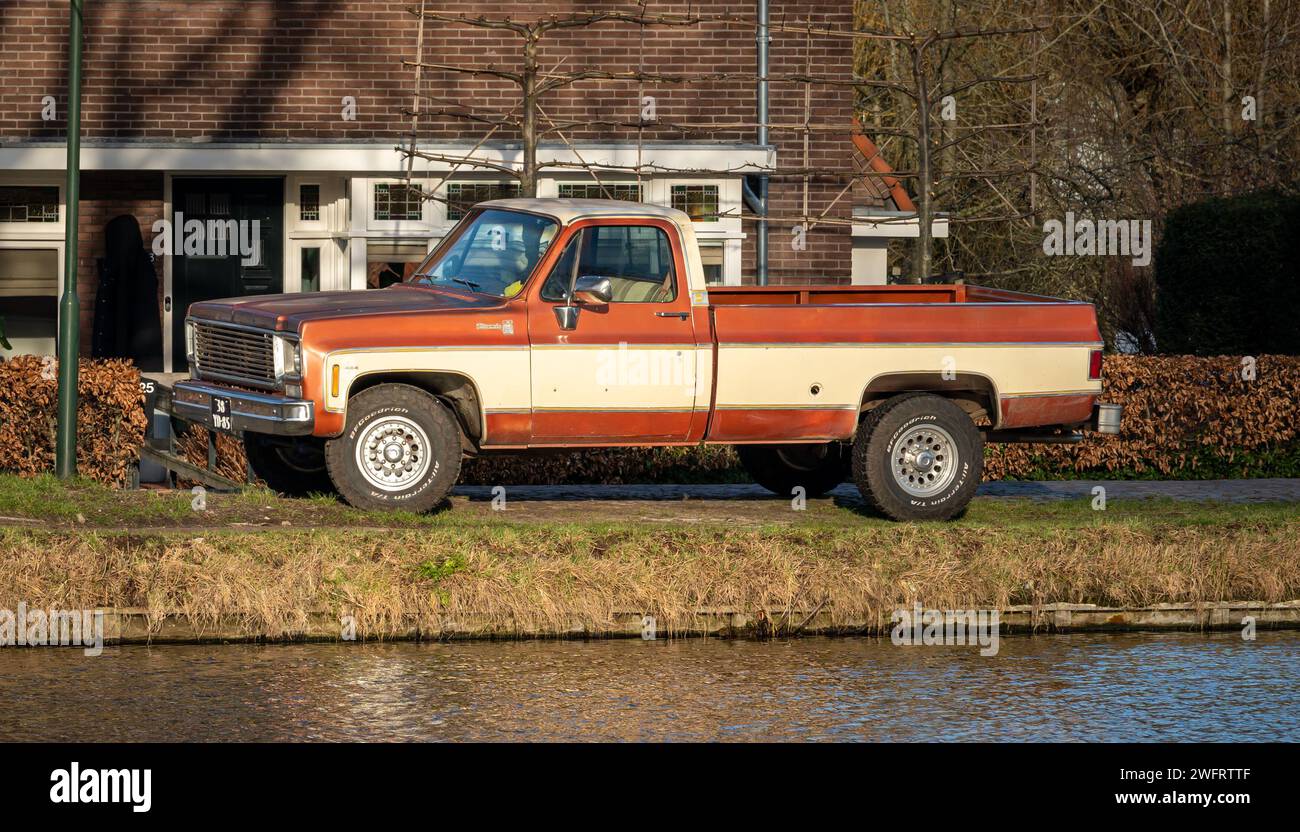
927,314
837,294
1028,356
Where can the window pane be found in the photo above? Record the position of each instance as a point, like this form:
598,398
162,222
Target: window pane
29,272
494,253
700,202
398,202
309,203
462,196
310,263
627,191
28,203
389,263
711,257
638,260
556,287
29,281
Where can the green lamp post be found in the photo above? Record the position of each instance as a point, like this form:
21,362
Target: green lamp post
65,441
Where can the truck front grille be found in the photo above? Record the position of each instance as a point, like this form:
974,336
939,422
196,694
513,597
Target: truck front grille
234,355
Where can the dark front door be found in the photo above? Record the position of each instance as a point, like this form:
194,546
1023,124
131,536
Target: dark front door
211,270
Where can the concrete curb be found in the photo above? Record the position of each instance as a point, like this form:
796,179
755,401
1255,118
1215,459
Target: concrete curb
139,626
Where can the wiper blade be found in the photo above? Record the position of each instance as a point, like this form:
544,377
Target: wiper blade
471,284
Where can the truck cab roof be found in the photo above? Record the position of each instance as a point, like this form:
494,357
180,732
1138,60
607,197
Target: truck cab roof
570,210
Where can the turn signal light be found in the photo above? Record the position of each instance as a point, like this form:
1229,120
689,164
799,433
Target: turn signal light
334,381
1094,365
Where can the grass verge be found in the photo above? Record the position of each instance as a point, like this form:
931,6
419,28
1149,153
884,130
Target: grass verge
530,579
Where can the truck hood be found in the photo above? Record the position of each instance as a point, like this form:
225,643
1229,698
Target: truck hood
287,312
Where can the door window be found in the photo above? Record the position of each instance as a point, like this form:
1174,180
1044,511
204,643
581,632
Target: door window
637,259
309,261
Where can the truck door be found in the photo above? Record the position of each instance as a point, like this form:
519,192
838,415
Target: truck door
625,372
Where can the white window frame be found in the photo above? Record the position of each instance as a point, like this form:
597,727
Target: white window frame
444,193
39,235
43,245
329,232
554,189
729,200
36,230
363,208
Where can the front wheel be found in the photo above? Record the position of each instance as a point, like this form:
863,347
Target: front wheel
918,457
400,450
782,468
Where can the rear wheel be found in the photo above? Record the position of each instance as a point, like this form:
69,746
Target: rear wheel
782,468
400,450
918,457
294,467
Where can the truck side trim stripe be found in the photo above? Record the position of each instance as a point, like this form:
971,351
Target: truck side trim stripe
903,344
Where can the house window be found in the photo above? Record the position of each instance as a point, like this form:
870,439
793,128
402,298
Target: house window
711,256
398,202
29,299
461,196
627,191
309,203
29,203
392,262
700,202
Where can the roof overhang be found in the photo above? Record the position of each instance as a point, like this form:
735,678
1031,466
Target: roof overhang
379,158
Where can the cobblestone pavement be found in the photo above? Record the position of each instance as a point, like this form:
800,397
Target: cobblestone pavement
1230,491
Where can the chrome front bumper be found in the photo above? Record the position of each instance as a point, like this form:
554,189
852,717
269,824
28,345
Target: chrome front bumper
1106,418
250,412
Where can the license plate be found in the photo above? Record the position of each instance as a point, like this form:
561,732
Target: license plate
221,414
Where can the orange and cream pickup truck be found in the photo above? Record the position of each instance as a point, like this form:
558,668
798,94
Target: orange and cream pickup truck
550,323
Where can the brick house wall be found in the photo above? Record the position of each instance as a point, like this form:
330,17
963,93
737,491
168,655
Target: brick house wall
214,71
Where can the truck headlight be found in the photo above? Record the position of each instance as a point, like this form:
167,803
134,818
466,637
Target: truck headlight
189,341
287,357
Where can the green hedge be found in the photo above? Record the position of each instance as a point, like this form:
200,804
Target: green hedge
1228,277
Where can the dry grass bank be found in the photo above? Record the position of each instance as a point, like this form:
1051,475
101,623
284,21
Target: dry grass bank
521,579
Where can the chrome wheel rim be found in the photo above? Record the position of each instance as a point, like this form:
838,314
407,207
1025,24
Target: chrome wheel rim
924,460
393,454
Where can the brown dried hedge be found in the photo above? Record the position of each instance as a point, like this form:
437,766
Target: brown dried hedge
231,461
110,417
1184,418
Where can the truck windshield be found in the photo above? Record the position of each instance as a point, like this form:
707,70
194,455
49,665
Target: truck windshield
491,252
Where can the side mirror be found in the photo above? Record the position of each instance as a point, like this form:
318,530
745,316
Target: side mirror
567,316
593,291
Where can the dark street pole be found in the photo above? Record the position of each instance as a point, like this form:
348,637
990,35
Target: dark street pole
65,444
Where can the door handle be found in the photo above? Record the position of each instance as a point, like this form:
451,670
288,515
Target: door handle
681,315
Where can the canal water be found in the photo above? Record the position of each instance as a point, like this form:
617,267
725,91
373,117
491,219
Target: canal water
1084,688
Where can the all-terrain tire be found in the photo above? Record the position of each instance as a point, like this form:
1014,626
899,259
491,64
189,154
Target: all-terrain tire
400,449
918,456
782,468
294,468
